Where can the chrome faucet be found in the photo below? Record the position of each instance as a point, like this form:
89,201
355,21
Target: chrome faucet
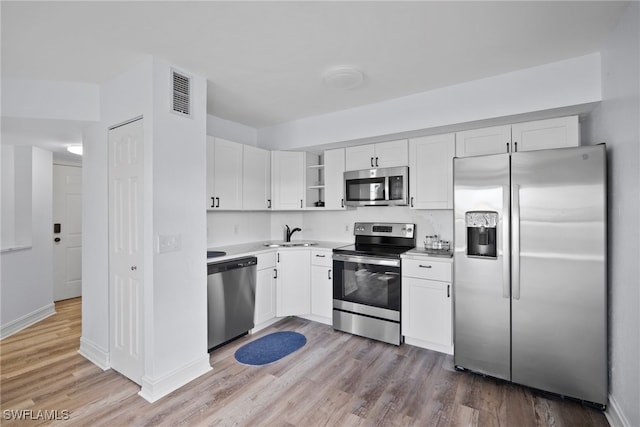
290,232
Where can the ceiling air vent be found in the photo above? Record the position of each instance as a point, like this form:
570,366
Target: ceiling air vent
181,103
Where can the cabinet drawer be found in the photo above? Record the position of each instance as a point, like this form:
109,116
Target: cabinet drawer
266,260
427,269
322,258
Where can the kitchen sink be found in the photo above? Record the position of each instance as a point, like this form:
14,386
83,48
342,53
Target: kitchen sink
289,244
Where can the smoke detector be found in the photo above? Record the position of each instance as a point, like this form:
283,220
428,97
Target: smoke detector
343,77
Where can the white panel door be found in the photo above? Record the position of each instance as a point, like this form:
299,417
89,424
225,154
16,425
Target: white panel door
256,178
67,237
227,174
544,134
479,142
360,157
392,154
334,179
126,269
431,171
287,180
293,282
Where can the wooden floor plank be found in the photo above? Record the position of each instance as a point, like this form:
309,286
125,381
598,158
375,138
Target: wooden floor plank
336,379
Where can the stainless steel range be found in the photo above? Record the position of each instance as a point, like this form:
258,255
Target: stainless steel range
366,281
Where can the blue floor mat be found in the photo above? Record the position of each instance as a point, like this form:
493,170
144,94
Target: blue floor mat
270,348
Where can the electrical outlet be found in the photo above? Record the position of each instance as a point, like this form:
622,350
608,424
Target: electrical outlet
346,228
168,243
235,229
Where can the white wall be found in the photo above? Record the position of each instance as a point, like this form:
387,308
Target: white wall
229,228
176,298
27,275
616,122
231,131
561,84
50,100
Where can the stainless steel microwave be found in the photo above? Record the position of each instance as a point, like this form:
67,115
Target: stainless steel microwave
377,187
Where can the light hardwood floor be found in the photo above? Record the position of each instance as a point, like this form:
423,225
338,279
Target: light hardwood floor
336,379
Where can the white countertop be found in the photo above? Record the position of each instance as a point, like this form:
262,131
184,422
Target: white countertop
254,248
419,253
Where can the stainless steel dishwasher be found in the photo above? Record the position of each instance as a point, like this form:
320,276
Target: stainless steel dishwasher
231,296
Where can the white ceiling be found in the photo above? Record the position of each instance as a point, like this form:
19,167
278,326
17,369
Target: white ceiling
264,61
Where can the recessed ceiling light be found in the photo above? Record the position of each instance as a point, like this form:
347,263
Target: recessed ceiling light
343,77
75,149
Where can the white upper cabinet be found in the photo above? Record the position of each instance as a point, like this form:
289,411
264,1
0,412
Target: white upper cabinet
431,171
256,178
334,178
224,174
479,142
382,155
287,180
543,134
528,136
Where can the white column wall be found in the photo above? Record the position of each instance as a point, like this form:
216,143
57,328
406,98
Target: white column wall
616,122
175,301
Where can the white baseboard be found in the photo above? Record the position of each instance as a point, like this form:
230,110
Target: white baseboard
154,389
614,414
265,324
94,353
319,319
447,349
27,320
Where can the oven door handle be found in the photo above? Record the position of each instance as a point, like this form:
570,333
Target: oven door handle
367,260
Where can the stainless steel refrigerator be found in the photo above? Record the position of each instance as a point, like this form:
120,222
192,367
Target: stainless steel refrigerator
530,293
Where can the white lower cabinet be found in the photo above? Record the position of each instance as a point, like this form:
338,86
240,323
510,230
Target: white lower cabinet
265,309
322,286
293,268
427,304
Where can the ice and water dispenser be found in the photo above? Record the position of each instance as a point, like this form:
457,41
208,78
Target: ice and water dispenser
481,234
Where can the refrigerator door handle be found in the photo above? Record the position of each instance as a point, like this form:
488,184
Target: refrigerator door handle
515,251
506,278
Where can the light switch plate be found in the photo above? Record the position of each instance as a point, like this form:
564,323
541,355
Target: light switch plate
168,243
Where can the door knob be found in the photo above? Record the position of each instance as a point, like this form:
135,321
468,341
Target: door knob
57,240
134,268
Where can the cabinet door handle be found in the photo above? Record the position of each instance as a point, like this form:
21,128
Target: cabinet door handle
448,291
411,201
329,274
342,203
268,203
300,203
278,257
507,147
515,147
424,266
275,273
372,162
213,202
217,202
376,162
320,256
